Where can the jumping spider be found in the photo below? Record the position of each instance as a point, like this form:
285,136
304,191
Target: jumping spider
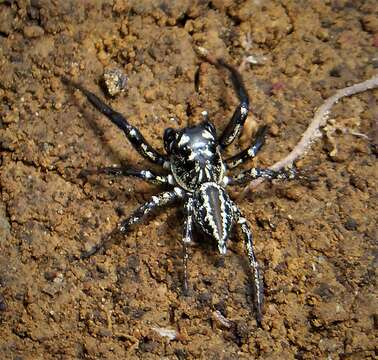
196,174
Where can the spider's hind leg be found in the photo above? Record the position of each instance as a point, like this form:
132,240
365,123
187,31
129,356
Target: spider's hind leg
253,264
186,239
156,201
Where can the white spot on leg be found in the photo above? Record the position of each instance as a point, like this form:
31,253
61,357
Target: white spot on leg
155,199
253,172
147,174
242,220
187,239
236,131
243,111
251,152
179,192
166,196
171,180
151,155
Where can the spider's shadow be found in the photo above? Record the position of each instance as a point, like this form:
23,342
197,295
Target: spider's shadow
97,129
208,248
114,155
222,95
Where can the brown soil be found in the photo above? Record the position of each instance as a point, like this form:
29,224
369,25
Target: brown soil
316,242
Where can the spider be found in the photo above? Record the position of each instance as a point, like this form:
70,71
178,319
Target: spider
197,177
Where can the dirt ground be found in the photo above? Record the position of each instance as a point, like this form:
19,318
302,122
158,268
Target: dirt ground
316,241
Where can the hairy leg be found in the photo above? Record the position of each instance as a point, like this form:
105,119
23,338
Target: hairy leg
236,123
255,173
156,201
253,264
146,175
249,152
186,239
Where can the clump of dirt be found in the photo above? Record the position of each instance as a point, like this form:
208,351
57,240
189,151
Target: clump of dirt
315,241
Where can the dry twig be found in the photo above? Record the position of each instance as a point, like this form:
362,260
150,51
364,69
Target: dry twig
313,131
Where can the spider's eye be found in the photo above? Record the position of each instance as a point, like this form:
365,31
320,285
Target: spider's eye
169,136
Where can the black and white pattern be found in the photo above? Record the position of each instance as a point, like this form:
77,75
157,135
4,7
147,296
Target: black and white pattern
131,132
214,213
187,238
146,175
250,152
235,126
254,265
255,173
159,200
195,170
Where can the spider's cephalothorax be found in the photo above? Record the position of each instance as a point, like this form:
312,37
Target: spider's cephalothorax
197,175
194,155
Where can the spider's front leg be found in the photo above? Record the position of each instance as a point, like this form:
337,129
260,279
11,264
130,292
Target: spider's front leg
250,152
236,123
146,175
253,264
156,201
131,132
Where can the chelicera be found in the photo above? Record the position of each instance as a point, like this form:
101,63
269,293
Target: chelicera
197,176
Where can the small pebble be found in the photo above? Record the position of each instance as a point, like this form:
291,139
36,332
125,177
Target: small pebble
104,332
164,332
3,304
115,81
351,224
33,31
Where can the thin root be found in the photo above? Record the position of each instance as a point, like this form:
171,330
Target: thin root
313,131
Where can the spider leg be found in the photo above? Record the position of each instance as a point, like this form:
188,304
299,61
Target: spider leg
249,152
131,132
255,173
156,201
146,175
253,264
186,239
236,123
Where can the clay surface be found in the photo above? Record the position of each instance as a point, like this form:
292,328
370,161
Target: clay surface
316,241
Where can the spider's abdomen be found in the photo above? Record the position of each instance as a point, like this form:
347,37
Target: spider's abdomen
213,213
